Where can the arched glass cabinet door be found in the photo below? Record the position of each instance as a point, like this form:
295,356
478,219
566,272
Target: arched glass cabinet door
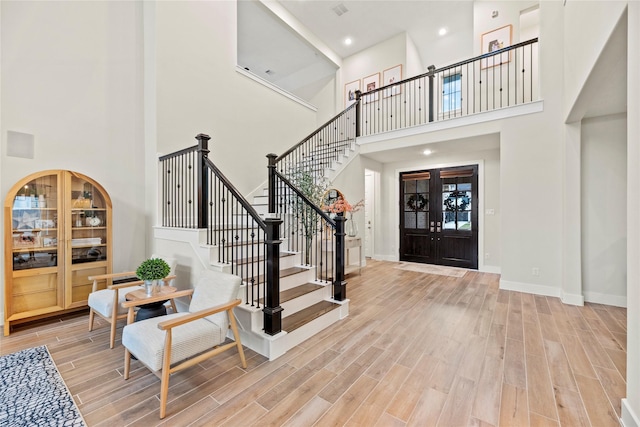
88,226
49,253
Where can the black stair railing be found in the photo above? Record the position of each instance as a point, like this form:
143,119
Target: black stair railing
318,151
309,230
195,194
504,78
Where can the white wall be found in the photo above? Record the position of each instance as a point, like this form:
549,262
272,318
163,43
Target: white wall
413,62
585,24
604,210
631,404
72,77
199,91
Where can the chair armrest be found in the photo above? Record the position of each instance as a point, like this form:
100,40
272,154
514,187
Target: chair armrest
168,324
178,294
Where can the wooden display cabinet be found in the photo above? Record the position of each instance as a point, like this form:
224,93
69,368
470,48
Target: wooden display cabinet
57,234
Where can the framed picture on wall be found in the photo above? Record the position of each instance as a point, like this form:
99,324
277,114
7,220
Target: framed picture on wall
371,83
493,41
350,92
390,76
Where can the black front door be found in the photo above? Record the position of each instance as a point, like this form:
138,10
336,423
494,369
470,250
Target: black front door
439,216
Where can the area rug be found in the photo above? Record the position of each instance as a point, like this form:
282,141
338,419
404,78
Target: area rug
32,392
432,269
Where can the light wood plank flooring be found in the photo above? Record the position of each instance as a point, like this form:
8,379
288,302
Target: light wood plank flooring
417,349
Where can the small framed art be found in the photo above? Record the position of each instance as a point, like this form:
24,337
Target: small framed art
371,83
390,76
495,40
350,92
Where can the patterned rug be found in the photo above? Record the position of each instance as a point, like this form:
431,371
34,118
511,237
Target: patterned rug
32,392
432,269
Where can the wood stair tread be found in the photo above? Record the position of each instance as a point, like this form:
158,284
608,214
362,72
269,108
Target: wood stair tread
296,292
302,317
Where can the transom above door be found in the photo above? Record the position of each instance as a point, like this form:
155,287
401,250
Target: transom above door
439,216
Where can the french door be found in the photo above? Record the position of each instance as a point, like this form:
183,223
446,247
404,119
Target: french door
439,216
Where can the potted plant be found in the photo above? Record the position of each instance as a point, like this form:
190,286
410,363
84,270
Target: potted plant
304,214
152,270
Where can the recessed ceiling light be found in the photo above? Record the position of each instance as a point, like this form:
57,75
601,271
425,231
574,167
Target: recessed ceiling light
427,152
442,31
348,41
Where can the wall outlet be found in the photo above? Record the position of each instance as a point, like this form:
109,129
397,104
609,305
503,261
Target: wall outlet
535,271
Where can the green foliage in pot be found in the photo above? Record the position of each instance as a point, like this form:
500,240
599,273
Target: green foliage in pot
153,269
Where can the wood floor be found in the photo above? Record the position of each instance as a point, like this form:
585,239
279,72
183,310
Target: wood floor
416,349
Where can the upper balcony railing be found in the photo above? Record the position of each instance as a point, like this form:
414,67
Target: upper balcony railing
504,78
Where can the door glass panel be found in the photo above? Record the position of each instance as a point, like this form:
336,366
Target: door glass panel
423,186
88,223
409,220
423,219
464,220
466,186
410,186
34,228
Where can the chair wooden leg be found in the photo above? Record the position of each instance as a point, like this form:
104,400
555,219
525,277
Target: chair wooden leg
114,319
127,363
166,371
112,335
91,317
236,336
173,306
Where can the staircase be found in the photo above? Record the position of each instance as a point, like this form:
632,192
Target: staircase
293,287
307,304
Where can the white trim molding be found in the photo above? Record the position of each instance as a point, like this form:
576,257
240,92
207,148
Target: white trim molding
629,418
530,288
495,269
606,299
275,88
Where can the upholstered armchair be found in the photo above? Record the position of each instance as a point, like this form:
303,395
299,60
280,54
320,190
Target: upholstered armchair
107,303
176,341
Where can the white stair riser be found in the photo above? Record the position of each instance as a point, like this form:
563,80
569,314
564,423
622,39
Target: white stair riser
300,303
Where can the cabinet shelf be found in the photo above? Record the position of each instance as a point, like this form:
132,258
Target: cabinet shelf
38,249
34,230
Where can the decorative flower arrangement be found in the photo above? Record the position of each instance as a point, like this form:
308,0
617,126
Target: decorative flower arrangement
341,205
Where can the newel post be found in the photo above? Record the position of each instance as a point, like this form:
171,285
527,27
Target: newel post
339,285
431,73
358,112
203,183
271,182
272,310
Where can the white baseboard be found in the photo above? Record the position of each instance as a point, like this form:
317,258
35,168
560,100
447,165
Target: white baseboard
629,417
598,298
530,288
393,258
572,299
490,269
